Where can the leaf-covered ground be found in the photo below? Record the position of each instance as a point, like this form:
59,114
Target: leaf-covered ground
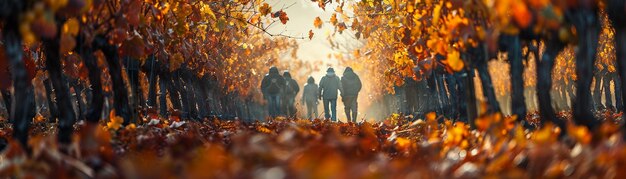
287,148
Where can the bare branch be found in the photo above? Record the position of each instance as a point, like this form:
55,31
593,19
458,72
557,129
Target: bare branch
263,29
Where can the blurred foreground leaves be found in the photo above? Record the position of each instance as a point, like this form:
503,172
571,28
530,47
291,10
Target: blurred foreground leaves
296,148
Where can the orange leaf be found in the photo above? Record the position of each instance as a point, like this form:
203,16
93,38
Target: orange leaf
318,22
265,9
522,15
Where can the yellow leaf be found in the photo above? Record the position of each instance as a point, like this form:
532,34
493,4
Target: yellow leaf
454,61
436,13
545,135
131,127
71,27
403,143
115,122
580,133
520,136
206,10
410,7
263,129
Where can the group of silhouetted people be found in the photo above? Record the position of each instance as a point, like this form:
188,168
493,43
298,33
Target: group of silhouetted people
280,92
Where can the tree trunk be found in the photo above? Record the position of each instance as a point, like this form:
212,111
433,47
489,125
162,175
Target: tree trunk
152,80
606,87
453,99
481,58
122,107
487,87
517,80
443,93
97,98
187,78
54,111
597,91
23,99
470,97
67,118
460,102
615,11
163,86
167,83
618,95
206,90
544,83
78,88
200,91
6,96
180,87
587,27
132,69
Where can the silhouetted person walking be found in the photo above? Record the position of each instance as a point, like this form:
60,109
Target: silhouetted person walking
351,84
329,87
310,97
289,94
271,86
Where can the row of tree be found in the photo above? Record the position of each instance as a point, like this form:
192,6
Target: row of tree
455,37
193,50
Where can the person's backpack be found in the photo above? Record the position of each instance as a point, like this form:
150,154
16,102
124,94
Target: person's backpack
274,86
289,89
351,83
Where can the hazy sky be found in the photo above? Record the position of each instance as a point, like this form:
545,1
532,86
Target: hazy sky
301,15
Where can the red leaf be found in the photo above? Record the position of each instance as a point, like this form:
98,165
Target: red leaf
134,48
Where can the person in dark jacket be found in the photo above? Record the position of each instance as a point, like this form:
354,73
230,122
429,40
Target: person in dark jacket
272,86
351,84
310,97
289,94
330,86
